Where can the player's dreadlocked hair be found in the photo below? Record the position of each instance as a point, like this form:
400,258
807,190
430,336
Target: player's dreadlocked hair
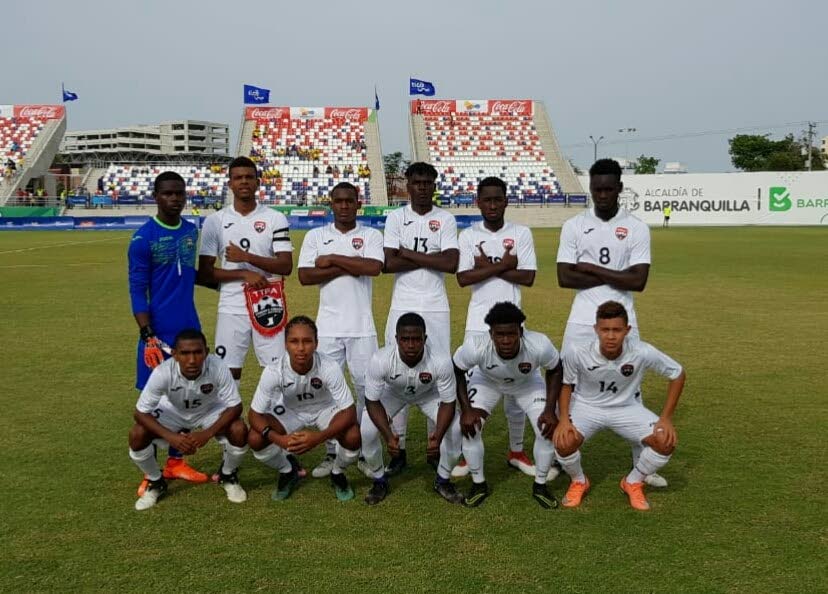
242,162
610,310
606,167
301,321
494,182
504,312
411,320
167,176
190,334
421,168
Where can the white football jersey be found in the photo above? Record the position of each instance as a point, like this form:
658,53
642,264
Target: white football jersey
322,387
434,232
263,232
191,398
494,289
600,381
431,377
344,302
617,244
536,351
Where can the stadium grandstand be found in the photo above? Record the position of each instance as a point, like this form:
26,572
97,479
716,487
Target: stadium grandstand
303,152
469,139
29,140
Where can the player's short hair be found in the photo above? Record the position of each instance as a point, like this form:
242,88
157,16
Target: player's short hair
610,310
346,186
504,312
166,176
190,334
420,168
606,167
242,162
411,320
491,182
302,321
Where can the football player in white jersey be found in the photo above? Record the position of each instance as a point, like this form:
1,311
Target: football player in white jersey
403,374
341,258
303,389
604,253
508,361
250,241
602,390
420,248
189,391
496,258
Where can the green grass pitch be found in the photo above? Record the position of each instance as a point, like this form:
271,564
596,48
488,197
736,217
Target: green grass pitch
743,309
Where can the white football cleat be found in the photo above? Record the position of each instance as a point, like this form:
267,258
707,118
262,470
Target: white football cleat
325,467
154,491
231,486
655,480
554,472
362,465
461,470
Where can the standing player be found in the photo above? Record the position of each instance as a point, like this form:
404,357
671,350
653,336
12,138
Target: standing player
508,362
602,390
604,253
162,279
252,244
191,390
420,247
341,258
404,374
303,389
496,258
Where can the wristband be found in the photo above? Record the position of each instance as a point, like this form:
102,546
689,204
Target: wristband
266,431
146,332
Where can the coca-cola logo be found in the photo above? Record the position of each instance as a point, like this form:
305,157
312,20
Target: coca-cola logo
436,107
346,114
510,107
267,114
49,112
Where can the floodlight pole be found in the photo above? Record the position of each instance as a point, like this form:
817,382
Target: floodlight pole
595,147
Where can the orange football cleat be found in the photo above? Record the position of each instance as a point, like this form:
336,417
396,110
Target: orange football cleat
143,486
177,468
575,493
635,492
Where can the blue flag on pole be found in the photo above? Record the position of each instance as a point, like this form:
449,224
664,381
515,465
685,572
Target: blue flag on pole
256,95
376,99
421,87
68,95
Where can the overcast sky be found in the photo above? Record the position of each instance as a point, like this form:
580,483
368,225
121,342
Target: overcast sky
660,68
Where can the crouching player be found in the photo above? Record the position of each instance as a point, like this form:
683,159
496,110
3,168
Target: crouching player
509,361
407,374
303,389
188,391
602,390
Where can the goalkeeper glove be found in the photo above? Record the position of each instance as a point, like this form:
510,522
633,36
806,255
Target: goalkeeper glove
153,355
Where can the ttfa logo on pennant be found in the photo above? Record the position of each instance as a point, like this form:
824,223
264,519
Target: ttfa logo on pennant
434,226
357,243
259,226
621,232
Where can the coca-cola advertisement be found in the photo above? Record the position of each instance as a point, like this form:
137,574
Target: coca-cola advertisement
433,106
510,107
263,114
351,114
41,112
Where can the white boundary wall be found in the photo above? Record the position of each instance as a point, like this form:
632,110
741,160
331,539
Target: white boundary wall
768,198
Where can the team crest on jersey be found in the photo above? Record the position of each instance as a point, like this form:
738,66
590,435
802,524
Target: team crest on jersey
425,377
206,388
524,367
508,243
316,383
621,232
434,225
259,226
627,370
267,308
357,243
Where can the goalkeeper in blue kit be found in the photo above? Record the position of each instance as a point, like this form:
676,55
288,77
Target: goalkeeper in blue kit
162,275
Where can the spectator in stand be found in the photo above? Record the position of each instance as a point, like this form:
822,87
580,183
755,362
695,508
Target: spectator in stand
349,170
336,171
315,171
328,170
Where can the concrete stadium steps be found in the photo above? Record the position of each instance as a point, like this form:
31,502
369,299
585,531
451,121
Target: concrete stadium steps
379,190
38,160
92,180
246,137
563,170
418,140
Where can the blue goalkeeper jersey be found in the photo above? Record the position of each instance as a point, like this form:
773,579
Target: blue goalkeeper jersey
162,276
